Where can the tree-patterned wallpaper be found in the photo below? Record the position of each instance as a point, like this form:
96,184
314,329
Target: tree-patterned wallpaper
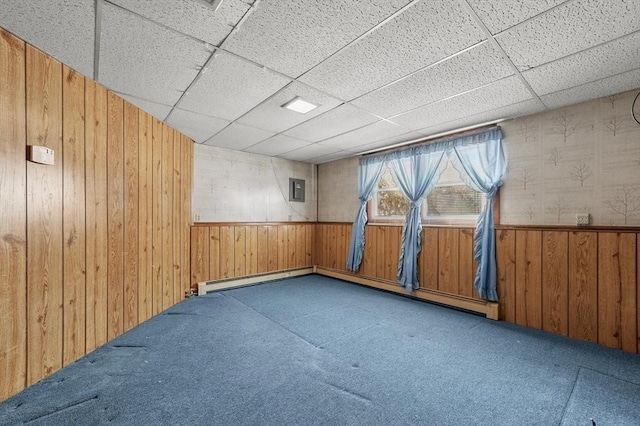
584,158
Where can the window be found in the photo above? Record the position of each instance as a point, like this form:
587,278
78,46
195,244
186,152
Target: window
451,201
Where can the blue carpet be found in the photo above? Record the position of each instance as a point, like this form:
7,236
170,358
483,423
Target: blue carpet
318,351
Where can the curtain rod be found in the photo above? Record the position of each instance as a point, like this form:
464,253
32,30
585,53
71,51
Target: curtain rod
433,139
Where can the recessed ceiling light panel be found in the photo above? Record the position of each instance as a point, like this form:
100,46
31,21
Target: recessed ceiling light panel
298,104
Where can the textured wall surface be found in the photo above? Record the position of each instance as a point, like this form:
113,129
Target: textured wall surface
584,158
338,190
233,186
581,158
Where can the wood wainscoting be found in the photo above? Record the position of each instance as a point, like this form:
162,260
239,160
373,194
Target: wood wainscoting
96,243
580,283
445,264
221,251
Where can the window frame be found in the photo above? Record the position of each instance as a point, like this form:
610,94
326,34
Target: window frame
429,220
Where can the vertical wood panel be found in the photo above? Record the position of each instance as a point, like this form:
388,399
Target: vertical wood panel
167,217
301,245
617,313
272,248
429,258
176,211
466,265
368,264
115,211
506,270
214,254
227,251
392,252
73,223
96,214
583,286
145,222
380,251
199,254
263,250
156,215
240,251
185,195
291,246
131,206
282,247
344,246
555,265
628,293
529,278
448,260
13,291
252,249
310,238
44,216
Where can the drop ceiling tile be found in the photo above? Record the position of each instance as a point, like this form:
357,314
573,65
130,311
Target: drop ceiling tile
271,116
192,17
519,109
335,122
568,29
495,95
159,111
333,157
238,137
146,60
387,142
498,16
292,37
373,132
197,126
69,40
420,36
608,59
231,87
277,145
597,89
309,153
473,68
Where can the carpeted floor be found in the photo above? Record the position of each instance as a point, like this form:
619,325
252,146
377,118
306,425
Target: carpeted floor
318,351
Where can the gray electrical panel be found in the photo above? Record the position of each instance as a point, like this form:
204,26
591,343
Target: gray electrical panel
296,190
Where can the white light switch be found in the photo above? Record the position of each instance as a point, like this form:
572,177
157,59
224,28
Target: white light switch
41,154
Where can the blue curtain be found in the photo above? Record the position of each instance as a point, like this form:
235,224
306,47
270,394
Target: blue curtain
482,167
415,174
369,173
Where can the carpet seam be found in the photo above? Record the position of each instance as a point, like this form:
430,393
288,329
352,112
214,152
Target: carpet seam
573,388
609,375
273,321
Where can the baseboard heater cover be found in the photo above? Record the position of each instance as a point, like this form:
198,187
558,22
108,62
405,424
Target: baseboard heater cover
489,309
206,286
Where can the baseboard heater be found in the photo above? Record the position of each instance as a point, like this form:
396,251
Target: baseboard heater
489,309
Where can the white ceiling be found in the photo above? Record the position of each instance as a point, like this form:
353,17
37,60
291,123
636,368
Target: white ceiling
383,71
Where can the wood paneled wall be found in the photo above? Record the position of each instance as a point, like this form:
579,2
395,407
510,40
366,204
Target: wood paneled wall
445,263
578,283
582,284
221,251
96,243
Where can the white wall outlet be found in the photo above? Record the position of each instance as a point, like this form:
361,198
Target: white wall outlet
196,217
582,219
40,154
